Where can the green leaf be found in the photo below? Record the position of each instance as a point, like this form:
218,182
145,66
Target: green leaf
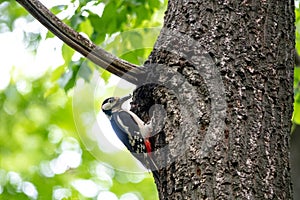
67,53
50,35
86,27
142,14
51,90
56,74
65,79
95,21
136,40
85,72
296,76
296,114
154,4
57,9
76,20
99,33
68,79
105,75
109,19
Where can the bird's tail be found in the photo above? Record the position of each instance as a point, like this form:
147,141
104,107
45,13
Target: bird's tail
153,167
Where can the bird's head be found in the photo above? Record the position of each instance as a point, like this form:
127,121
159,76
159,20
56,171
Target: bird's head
113,104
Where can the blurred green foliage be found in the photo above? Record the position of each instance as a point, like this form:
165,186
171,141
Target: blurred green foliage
42,156
296,114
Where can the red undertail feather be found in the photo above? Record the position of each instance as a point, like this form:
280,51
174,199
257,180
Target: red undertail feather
148,147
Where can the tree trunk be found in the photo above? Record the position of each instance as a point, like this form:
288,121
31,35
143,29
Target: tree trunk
225,83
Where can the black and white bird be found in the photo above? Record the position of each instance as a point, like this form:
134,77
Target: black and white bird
131,130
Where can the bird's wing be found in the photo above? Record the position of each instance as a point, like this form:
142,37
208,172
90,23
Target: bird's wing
126,123
127,130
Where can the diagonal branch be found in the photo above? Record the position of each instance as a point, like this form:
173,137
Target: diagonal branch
81,44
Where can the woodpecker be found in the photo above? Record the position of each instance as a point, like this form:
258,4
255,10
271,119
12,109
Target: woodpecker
131,130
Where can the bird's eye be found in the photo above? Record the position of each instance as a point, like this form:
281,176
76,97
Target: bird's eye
111,100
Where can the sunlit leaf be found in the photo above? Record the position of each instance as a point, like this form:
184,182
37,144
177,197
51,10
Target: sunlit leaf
105,75
67,53
57,9
51,90
50,35
86,27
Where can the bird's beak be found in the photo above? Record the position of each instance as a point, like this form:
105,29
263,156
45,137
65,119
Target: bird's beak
123,99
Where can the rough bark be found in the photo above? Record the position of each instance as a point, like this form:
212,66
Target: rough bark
226,85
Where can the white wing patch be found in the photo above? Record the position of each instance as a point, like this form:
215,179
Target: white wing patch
123,126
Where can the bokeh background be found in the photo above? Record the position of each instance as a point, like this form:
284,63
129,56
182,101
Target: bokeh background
49,145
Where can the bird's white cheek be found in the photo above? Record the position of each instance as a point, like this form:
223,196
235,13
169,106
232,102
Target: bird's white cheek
106,106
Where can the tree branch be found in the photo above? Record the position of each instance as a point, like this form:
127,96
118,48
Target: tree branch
75,40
